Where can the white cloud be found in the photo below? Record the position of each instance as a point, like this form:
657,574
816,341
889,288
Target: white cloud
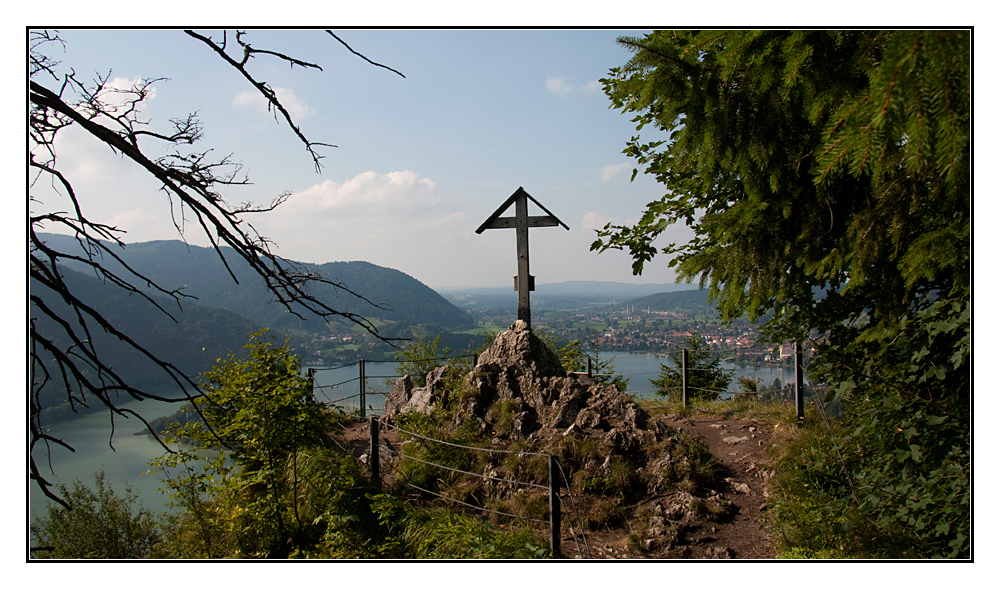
558,85
397,219
119,90
131,220
562,86
608,172
368,195
116,97
593,220
295,107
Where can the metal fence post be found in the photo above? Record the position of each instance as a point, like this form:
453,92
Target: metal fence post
590,366
373,457
800,403
555,514
684,378
361,363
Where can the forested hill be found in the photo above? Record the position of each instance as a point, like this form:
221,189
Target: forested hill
691,302
695,301
174,264
192,343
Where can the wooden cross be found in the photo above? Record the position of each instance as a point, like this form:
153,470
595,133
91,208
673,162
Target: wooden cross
524,282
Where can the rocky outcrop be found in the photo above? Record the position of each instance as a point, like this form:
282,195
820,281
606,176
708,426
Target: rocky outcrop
521,374
520,389
405,398
519,352
519,394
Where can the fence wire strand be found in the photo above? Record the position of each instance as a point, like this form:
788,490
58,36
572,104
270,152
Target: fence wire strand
328,386
562,473
494,450
572,501
335,401
482,476
530,519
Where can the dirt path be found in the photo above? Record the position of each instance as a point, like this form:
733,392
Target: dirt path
739,446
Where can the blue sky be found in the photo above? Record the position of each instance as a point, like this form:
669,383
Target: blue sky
421,162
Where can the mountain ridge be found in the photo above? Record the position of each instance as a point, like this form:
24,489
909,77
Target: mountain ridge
577,288
198,271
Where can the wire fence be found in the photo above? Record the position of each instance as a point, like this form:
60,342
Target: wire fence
689,390
558,484
356,391
364,391
378,376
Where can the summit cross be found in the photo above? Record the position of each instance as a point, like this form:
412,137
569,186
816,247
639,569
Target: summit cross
524,282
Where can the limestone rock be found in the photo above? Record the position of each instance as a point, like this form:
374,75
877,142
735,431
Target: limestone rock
519,391
404,398
398,397
518,352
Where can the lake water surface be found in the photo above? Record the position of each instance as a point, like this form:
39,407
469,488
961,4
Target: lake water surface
123,458
641,367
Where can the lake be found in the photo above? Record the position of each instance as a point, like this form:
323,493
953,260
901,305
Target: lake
131,454
89,435
640,367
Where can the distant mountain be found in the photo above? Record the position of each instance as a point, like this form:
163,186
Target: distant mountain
687,300
612,290
618,291
200,272
559,295
223,315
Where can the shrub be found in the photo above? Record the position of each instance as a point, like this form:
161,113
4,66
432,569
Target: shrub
100,524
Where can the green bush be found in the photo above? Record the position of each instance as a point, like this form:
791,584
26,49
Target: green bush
420,357
100,524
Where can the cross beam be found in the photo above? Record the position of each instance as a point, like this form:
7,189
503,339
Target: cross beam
524,282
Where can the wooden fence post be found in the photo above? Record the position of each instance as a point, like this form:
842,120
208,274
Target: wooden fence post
555,514
684,378
800,403
373,457
362,364
312,383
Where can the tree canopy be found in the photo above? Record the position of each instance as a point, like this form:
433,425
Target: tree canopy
826,175
262,409
802,159
706,379
283,489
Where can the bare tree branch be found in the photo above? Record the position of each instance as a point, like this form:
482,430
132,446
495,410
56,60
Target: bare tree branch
362,56
68,357
264,89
